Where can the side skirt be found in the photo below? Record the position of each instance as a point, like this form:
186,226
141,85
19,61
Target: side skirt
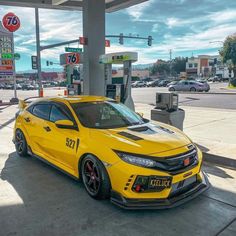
30,152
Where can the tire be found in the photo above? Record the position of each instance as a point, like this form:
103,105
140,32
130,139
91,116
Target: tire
172,89
95,178
20,143
193,89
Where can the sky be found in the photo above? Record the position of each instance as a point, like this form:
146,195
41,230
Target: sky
185,26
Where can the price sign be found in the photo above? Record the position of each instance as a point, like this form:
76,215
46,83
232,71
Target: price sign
6,62
11,22
72,58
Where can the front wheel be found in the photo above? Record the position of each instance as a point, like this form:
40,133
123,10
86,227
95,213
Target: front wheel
193,89
172,89
95,178
20,143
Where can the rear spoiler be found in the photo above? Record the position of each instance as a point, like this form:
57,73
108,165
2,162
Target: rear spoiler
24,103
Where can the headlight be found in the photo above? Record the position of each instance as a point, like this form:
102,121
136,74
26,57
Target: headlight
136,160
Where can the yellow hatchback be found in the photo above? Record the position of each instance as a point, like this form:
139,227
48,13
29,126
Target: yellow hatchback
114,151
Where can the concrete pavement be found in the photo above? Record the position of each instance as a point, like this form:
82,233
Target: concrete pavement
214,130
36,199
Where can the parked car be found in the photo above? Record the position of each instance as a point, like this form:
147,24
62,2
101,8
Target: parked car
9,86
120,158
163,83
2,86
18,86
172,83
138,84
153,83
192,86
215,79
27,87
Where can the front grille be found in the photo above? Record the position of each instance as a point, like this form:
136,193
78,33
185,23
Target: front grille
179,163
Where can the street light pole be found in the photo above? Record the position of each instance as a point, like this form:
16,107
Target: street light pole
38,50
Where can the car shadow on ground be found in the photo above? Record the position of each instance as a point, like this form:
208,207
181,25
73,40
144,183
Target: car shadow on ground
40,200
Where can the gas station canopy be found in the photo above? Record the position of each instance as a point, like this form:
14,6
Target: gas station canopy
111,5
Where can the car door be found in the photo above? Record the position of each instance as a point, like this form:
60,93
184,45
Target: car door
185,86
63,143
34,122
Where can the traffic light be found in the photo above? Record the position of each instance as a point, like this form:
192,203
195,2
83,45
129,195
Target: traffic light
47,63
149,40
121,39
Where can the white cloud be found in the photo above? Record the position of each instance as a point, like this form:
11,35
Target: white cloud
136,12
171,22
222,16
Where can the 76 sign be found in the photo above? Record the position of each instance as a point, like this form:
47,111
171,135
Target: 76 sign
11,22
72,58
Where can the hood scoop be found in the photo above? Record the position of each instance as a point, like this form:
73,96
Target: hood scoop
130,136
143,129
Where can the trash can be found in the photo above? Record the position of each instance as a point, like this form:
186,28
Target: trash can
167,110
171,117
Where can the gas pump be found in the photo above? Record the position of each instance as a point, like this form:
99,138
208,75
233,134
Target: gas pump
73,80
72,62
119,92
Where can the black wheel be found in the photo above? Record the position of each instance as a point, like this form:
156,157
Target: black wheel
193,89
95,178
172,89
20,143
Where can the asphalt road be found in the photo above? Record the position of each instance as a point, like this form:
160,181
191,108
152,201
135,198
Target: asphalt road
217,98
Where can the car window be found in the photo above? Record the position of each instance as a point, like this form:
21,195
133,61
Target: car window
185,83
57,113
42,111
105,115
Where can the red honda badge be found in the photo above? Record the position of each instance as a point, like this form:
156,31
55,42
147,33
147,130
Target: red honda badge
186,161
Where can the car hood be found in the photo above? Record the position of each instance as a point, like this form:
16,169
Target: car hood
146,139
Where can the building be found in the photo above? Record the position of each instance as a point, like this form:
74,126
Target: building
203,66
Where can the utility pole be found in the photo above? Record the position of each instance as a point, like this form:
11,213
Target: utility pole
170,51
38,50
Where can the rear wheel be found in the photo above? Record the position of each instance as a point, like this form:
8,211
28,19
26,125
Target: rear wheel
172,89
193,89
95,178
20,143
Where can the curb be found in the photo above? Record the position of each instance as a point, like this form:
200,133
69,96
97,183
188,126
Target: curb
221,93
219,160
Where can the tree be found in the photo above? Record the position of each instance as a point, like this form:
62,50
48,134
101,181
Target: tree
160,68
228,53
179,65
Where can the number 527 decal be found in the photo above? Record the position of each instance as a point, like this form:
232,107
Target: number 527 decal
70,143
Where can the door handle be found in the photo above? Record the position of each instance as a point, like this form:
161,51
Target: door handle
27,119
47,128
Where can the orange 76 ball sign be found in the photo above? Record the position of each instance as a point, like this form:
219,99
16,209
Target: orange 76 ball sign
11,22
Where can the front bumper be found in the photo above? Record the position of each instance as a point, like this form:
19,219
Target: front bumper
177,199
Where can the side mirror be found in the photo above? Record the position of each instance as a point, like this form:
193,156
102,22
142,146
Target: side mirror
65,124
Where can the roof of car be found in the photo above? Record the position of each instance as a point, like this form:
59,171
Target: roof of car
73,99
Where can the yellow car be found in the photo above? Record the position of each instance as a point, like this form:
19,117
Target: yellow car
114,151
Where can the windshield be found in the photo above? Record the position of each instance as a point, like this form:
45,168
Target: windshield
105,115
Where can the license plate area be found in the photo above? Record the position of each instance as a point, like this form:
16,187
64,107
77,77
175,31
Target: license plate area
159,183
